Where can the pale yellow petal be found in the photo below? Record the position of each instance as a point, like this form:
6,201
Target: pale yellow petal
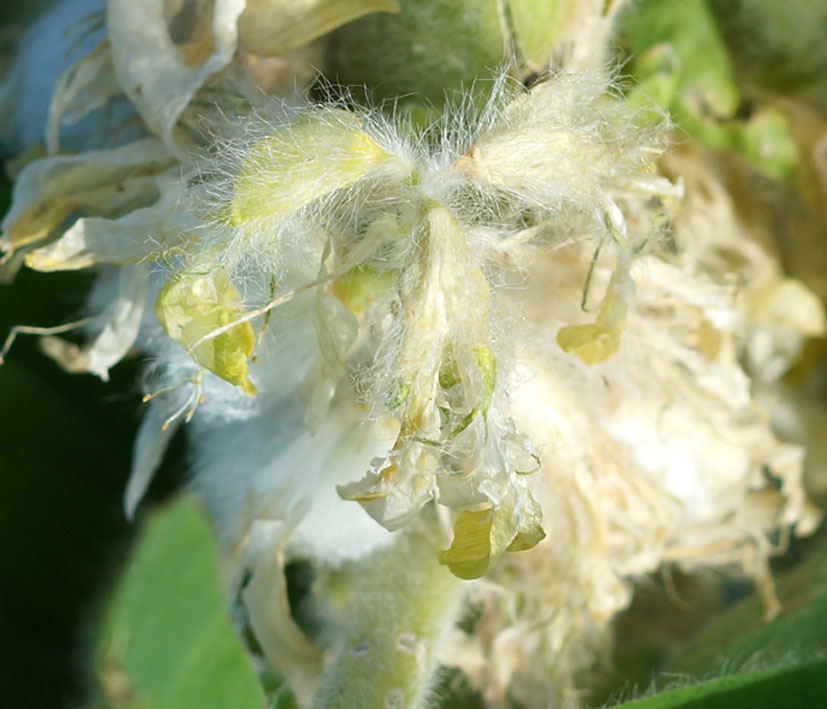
192,305
132,238
275,27
306,160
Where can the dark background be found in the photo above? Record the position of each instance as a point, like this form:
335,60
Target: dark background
65,447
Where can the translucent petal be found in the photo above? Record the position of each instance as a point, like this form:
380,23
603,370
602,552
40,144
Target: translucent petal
596,342
119,333
123,320
129,239
103,182
191,306
80,89
150,445
162,57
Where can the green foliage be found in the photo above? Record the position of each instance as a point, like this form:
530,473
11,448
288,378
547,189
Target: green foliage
166,641
778,45
683,65
430,47
704,72
748,662
799,685
799,632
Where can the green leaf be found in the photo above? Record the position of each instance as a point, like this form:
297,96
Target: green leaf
167,642
682,63
705,76
756,663
778,45
803,685
431,47
536,26
799,631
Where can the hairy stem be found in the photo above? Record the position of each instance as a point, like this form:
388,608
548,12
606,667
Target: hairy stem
404,600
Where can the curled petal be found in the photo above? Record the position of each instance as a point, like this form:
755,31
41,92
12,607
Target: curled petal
161,61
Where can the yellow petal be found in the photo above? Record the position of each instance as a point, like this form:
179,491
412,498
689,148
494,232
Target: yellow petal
596,342
308,159
469,556
482,536
592,343
125,240
362,285
191,306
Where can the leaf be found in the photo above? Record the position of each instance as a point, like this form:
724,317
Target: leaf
705,75
683,64
430,49
801,627
167,642
778,45
777,663
537,26
803,685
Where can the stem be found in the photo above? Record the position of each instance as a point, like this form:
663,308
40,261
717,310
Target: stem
404,602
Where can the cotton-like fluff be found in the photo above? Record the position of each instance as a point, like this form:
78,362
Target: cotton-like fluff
658,454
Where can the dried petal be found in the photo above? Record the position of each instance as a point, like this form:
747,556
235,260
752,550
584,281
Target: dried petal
80,89
161,61
103,182
123,319
129,239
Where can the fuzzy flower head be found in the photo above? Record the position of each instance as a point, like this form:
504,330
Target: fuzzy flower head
394,246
